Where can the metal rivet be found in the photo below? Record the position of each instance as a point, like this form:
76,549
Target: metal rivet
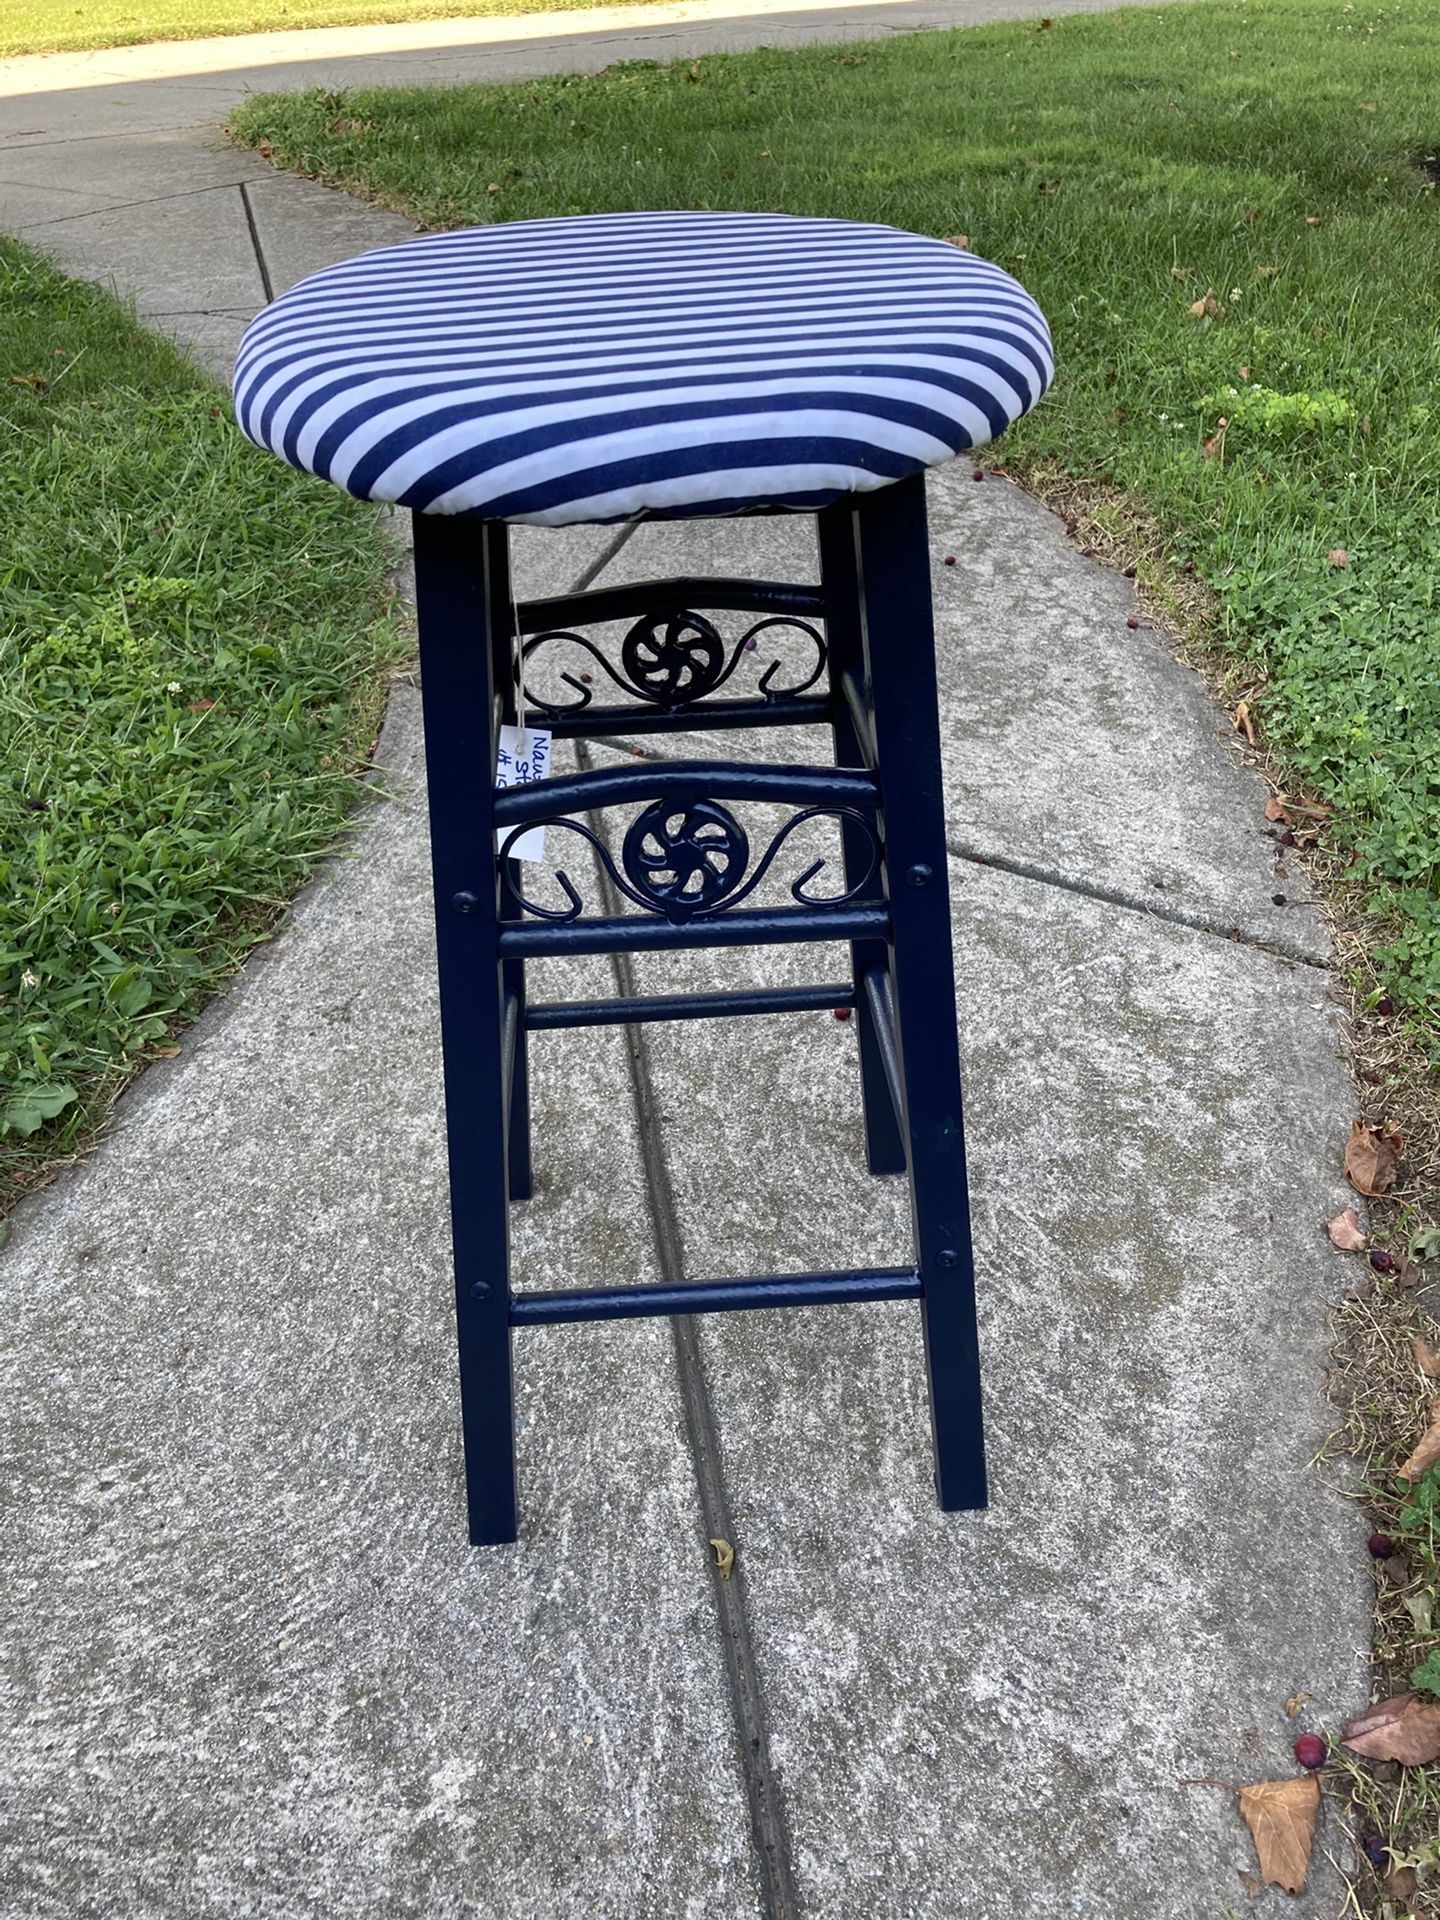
464,902
480,1289
918,876
947,1257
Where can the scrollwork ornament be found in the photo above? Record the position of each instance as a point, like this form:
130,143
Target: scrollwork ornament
685,858
674,660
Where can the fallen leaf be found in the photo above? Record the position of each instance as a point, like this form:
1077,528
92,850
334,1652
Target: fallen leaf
1426,1358
1425,1244
1215,445
1207,307
1406,1729
1421,1609
693,73
1372,1158
1367,106
1275,808
957,239
167,1053
1338,557
1312,219
1266,273
724,1557
1244,372
202,705
1281,1817
1344,1232
494,187
1251,1885
1243,723
1425,1455
1181,273
1401,1883
1295,1702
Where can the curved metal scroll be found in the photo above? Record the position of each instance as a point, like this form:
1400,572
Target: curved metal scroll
687,860
673,660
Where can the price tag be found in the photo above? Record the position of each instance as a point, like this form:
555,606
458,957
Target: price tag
524,756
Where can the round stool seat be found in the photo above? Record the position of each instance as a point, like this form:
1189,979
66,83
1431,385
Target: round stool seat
657,365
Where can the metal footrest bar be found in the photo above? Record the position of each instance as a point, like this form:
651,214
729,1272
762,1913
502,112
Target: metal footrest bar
713,1296
626,602
549,1015
638,933
681,781
592,723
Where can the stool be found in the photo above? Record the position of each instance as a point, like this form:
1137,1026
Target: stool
668,366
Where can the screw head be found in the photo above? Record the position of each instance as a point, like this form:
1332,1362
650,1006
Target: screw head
947,1257
919,875
464,902
480,1290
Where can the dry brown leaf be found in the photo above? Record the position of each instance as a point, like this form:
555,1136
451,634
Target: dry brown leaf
1181,273
1401,1883
1371,1159
1338,557
1312,219
958,239
1406,1729
1244,372
1207,307
167,1053
1215,445
1281,1817
1425,1455
1275,808
1367,106
1344,1232
1426,1358
1243,723
1295,1702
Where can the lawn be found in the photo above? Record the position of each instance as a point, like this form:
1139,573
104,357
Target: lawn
1229,213
193,651
50,26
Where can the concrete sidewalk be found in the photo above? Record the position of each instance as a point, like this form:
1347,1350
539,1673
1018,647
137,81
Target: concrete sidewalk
251,1667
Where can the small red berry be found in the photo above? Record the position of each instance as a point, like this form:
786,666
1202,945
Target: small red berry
949,559
1381,1545
978,474
1310,1751
1132,622
843,1013
1385,1007
1382,1262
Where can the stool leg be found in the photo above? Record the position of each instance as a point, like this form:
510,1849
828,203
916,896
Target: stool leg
845,660
899,640
503,640
455,603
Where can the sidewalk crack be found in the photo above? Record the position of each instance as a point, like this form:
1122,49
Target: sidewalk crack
1134,903
260,259
769,1819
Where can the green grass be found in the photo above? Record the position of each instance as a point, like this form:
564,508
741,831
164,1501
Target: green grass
50,26
1123,166
193,643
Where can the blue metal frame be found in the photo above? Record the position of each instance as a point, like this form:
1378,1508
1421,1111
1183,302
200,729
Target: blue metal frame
686,862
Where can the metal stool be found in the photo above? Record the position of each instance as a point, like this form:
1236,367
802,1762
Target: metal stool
520,374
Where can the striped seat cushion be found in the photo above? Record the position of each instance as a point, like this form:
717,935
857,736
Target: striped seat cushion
653,364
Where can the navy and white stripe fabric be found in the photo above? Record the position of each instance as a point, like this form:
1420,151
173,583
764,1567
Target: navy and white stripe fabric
640,364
